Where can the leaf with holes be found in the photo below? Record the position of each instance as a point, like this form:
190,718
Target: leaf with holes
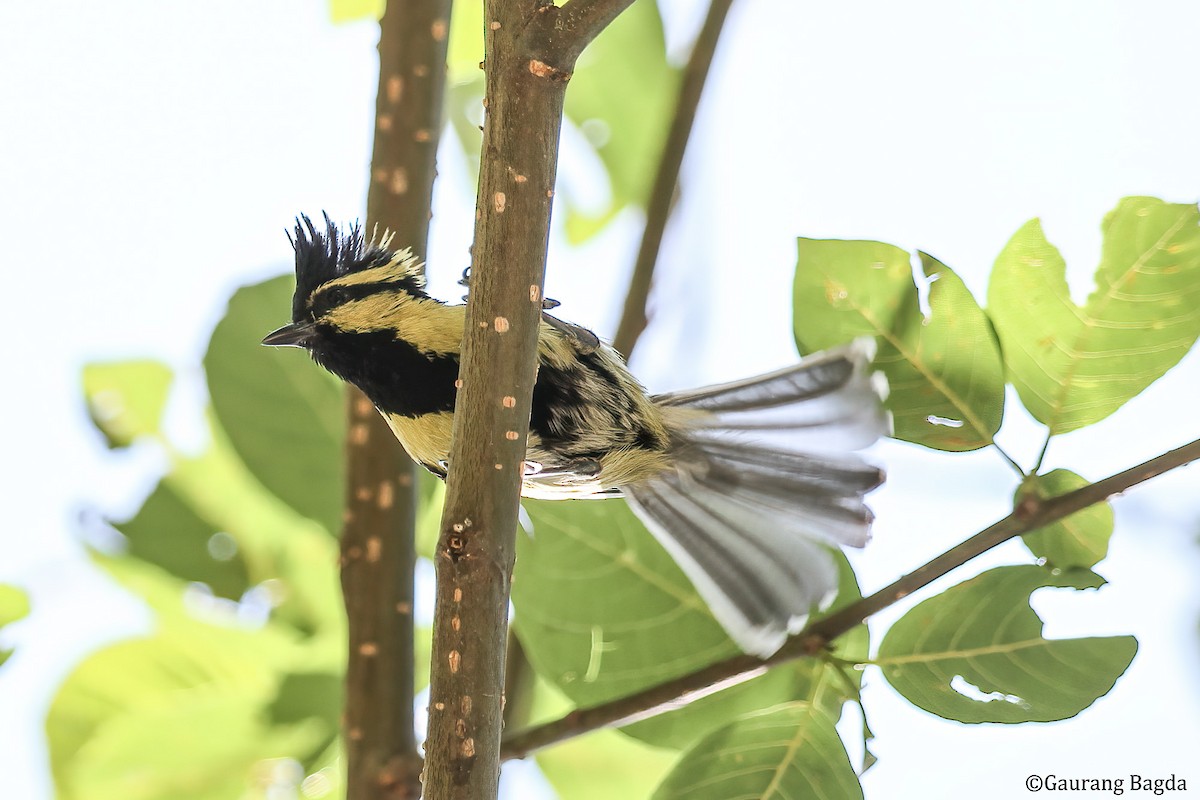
1073,365
975,653
1080,540
788,751
944,371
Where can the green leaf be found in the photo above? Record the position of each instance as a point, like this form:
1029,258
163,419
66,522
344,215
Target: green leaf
945,374
168,532
601,609
975,653
14,605
341,11
621,97
283,414
1080,540
126,399
622,92
1073,365
178,714
789,751
811,680
604,765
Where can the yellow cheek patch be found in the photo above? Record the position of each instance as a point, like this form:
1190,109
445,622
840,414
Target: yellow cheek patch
426,324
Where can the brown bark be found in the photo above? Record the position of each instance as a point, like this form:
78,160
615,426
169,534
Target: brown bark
530,51
378,554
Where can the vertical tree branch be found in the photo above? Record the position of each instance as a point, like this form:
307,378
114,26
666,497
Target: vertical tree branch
659,204
529,58
378,554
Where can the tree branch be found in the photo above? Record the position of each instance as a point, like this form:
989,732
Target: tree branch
578,22
378,554
1032,514
528,63
658,207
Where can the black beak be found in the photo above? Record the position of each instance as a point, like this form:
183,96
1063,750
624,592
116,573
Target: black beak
293,335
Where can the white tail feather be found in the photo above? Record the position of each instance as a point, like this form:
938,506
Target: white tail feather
765,480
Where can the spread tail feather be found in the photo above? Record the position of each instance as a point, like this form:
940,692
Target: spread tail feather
765,481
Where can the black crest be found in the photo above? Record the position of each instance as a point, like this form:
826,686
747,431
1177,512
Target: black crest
323,256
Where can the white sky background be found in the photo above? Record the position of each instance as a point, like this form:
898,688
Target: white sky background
151,156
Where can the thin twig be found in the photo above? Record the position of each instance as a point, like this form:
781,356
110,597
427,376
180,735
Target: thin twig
658,207
378,556
1031,514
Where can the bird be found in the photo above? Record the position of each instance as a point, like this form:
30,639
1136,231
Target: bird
749,485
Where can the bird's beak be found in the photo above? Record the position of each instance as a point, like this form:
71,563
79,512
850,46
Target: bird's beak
293,335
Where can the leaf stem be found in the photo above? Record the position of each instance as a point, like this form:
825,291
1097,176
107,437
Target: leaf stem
1011,461
1037,467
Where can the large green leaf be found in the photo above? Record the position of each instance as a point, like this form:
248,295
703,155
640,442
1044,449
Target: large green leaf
944,371
283,414
168,532
601,609
1080,540
813,680
126,399
14,605
1073,365
791,751
213,494
976,653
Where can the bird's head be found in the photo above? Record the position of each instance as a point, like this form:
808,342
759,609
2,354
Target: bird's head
345,284
361,311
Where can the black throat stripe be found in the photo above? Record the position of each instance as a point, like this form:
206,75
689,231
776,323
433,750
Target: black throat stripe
398,377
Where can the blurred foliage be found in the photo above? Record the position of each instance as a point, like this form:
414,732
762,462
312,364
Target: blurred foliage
14,605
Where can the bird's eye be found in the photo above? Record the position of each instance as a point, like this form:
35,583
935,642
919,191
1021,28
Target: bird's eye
326,299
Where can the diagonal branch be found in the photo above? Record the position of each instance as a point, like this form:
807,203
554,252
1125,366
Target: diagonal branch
1033,513
378,556
661,201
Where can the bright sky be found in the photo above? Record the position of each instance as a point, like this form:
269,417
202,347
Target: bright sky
152,155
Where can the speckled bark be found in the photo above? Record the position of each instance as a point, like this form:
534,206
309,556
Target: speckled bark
378,557
530,54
